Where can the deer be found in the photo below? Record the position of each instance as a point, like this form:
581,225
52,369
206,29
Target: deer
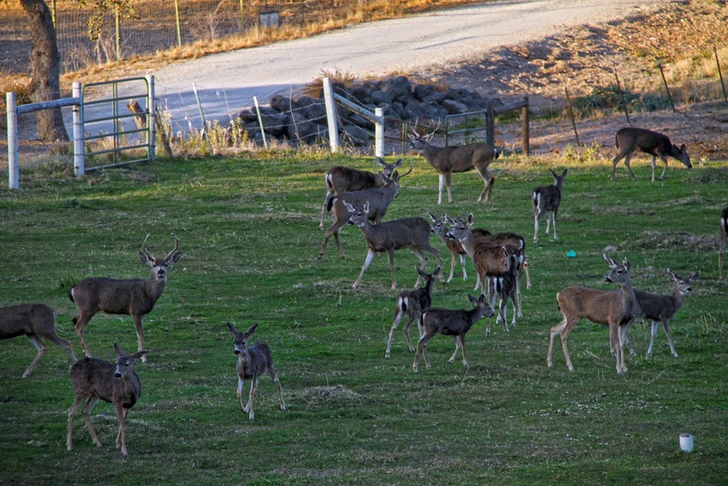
455,323
616,309
723,233
447,160
661,308
439,228
473,239
253,361
505,286
631,139
412,303
95,379
134,297
379,199
38,322
343,179
412,233
546,200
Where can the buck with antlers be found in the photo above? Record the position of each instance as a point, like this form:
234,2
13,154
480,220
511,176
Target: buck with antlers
631,139
343,179
130,297
447,160
253,361
37,321
412,233
660,308
95,379
379,200
616,309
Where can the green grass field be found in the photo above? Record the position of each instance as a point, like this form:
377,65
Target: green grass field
248,232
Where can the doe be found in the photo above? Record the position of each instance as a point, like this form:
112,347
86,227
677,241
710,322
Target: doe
546,200
95,379
130,297
656,144
253,361
37,321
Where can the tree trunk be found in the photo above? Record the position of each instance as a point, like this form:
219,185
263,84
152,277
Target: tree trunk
45,68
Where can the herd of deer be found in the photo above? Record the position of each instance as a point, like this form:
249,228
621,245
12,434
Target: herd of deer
362,198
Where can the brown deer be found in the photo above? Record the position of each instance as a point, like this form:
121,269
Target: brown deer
455,323
447,160
253,361
661,308
412,233
343,179
439,227
656,144
723,234
379,200
546,200
412,303
95,379
130,297
37,321
616,309
505,286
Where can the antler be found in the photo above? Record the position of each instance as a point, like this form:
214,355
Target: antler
412,166
144,246
176,245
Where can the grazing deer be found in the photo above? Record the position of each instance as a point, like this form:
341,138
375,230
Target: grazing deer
455,323
723,233
613,308
656,144
546,200
37,321
344,179
661,308
95,379
412,233
412,303
253,361
474,239
446,160
505,286
439,227
130,297
379,200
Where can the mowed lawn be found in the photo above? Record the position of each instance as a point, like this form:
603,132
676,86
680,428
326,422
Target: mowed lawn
248,232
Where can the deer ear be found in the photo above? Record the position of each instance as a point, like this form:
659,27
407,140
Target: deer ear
138,355
563,174
471,218
472,299
610,263
398,163
694,276
251,329
434,219
232,328
625,263
146,259
173,258
119,351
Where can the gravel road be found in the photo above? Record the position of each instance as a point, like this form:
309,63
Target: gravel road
227,82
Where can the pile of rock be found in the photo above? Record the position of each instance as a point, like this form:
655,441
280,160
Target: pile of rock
303,120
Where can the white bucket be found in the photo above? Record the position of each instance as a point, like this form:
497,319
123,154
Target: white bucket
686,442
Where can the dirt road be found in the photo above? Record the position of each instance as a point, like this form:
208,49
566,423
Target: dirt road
227,82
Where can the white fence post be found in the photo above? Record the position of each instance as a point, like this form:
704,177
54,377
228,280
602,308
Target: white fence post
79,161
379,132
12,110
151,118
331,115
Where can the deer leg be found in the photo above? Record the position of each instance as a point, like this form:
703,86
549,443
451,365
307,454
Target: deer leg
462,345
616,160
455,338
448,180
653,335
553,217
513,321
390,257
64,344
71,412
629,167
422,346
616,334
462,265
367,261
489,180
253,388
664,169
121,436
398,314
274,375
140,334
41,351
562,330
536,217
243,408
406,333
86,413
329,193
441,183
666,325
79,323
332,231
452,266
